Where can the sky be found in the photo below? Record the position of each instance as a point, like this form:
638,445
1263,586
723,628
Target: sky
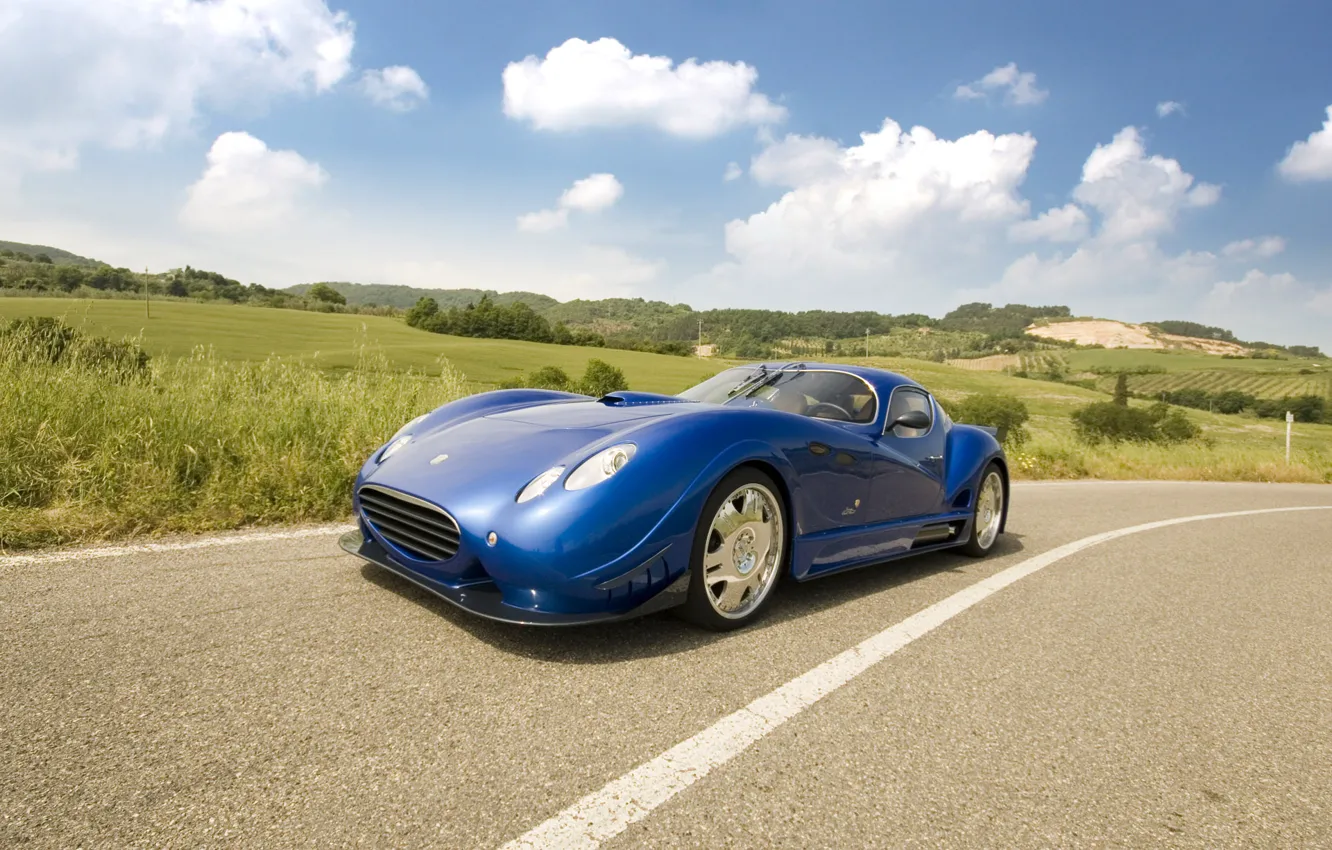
1130,160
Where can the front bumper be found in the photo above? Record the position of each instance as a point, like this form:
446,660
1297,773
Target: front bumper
484,599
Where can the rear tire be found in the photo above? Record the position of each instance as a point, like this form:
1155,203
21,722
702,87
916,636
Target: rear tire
987,517
740,552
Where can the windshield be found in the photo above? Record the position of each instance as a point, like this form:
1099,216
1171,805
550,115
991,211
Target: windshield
809,392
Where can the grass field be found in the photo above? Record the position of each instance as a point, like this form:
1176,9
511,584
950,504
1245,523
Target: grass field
230,437
332,341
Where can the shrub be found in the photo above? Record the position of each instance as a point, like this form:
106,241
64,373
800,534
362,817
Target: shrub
599,379
42,339
1109,422
545,378
1004,412
1172,426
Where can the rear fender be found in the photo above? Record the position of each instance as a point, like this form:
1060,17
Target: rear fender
969,448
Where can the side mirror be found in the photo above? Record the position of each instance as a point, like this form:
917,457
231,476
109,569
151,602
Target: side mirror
916,419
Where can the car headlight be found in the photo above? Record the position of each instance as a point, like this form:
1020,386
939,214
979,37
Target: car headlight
540,484
393,447
404,429
400,438
600,466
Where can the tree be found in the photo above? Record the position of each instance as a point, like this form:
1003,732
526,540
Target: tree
325,293
43,258
600,378
424,309
1121,390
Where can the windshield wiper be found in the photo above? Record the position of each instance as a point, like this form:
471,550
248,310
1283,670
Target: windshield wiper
758,375
773,377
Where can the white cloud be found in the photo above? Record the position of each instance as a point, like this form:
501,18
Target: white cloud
127,73
733,172
1261,248
397,88
1061,224
593,193
1166,108
1136,199
543,221
1138,196
583,84
878,217
1255,285
796,161
1019,87
247,186
601,271
1310,159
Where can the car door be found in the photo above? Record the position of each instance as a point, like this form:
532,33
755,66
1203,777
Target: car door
909,479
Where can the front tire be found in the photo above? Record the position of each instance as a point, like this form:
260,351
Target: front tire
988,515
739,552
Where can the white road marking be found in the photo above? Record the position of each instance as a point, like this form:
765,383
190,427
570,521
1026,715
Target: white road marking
67,555
606,813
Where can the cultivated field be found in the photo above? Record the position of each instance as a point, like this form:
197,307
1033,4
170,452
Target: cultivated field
1162,371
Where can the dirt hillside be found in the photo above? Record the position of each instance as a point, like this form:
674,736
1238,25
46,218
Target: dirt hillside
1112,334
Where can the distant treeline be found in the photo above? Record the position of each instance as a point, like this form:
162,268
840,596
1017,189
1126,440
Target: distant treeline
972,330
517,320
1194,329
1306,408
40,274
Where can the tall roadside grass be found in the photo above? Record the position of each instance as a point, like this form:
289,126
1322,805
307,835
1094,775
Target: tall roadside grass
1055,457
195,444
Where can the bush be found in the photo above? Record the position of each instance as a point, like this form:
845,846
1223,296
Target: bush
42,339
599,379
1106,421
1004,412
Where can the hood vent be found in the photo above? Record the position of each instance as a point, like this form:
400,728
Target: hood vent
627,398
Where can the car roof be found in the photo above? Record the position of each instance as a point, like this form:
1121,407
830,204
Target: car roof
881,379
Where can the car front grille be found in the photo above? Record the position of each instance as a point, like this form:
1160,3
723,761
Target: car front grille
418,528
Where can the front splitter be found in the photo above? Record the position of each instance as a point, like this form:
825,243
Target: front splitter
486,601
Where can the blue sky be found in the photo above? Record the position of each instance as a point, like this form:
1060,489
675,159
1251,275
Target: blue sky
268,141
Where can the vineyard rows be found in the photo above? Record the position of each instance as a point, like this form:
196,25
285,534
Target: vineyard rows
1258,385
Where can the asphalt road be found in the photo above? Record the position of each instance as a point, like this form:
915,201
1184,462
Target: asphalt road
1168,688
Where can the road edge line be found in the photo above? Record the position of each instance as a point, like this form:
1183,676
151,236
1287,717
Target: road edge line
606,813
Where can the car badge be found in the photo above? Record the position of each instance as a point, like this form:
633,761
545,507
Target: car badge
438,459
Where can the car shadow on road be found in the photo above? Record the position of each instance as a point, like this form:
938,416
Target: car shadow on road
664,633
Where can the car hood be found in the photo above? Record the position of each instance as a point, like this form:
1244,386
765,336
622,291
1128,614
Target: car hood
500,453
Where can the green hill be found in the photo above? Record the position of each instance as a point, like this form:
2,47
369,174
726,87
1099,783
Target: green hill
403,297
58,256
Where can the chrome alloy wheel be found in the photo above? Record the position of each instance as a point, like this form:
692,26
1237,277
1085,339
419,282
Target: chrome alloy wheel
989,510
742,554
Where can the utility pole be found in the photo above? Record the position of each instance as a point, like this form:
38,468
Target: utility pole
700,333
147,311
867,342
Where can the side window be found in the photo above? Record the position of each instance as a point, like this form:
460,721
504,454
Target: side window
905,400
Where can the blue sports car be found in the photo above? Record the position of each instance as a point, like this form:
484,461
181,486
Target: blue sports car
550,508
